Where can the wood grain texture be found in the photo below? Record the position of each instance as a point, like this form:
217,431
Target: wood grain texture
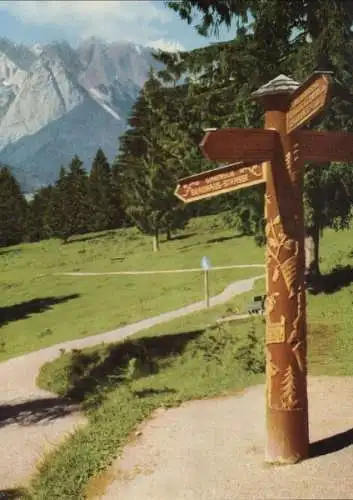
236,144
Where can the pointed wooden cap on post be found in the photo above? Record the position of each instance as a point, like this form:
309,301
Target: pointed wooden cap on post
276,92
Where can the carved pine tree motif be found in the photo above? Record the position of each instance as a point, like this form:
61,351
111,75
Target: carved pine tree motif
288,390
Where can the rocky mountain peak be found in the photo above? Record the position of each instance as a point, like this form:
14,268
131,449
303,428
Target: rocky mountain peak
57,101
19,54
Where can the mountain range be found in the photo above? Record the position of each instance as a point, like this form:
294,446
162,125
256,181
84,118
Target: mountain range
57,101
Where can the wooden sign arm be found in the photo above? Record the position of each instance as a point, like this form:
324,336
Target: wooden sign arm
323,146
236,144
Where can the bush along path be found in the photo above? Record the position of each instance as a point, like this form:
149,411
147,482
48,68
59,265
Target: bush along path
33,420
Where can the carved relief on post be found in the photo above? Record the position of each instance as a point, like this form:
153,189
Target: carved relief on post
289,399
295,169
295,338
299,354
276,332
271,371
295,333
276,241
291,160
271,302
285,303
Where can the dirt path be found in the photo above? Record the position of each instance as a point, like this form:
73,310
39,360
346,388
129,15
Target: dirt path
32,421
214,450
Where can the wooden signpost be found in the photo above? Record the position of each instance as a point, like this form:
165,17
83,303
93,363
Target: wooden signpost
309,100
278,154
238,144
219,181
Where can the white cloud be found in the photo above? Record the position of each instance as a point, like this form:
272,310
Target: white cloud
166,45
137,21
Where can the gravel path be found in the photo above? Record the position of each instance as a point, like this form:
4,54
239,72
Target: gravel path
214,450
32,421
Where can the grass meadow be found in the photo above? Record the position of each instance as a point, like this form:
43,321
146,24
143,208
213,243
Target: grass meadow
119,385
39,308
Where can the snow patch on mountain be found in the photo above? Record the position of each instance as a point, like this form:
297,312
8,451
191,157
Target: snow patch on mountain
103,100
111,111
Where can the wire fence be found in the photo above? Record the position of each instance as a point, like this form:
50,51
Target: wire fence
165,271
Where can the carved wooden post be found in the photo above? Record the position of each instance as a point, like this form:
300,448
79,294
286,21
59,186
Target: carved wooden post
287,402
276,156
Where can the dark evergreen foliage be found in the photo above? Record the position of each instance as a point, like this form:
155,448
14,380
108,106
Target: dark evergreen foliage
273,37
13,209
149,162
37,215
75,204
100,191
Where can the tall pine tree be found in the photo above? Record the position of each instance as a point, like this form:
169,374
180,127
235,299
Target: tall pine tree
146,170
100,191
13,208
36,227
68,212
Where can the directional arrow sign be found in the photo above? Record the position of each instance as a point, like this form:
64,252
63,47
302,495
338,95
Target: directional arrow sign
219,180
250,145
309,100
325,146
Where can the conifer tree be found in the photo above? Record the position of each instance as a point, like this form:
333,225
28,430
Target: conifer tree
145,169
13,208
36,227
76,204
100,194
54,217
68,212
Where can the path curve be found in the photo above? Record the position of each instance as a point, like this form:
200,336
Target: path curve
213,449
32,420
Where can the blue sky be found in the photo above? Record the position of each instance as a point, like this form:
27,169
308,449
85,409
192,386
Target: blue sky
146,22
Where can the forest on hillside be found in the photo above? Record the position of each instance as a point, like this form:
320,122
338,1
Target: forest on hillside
207,87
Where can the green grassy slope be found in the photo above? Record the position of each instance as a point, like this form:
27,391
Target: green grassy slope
39,309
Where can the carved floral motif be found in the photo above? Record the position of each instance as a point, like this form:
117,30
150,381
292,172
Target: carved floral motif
276,240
